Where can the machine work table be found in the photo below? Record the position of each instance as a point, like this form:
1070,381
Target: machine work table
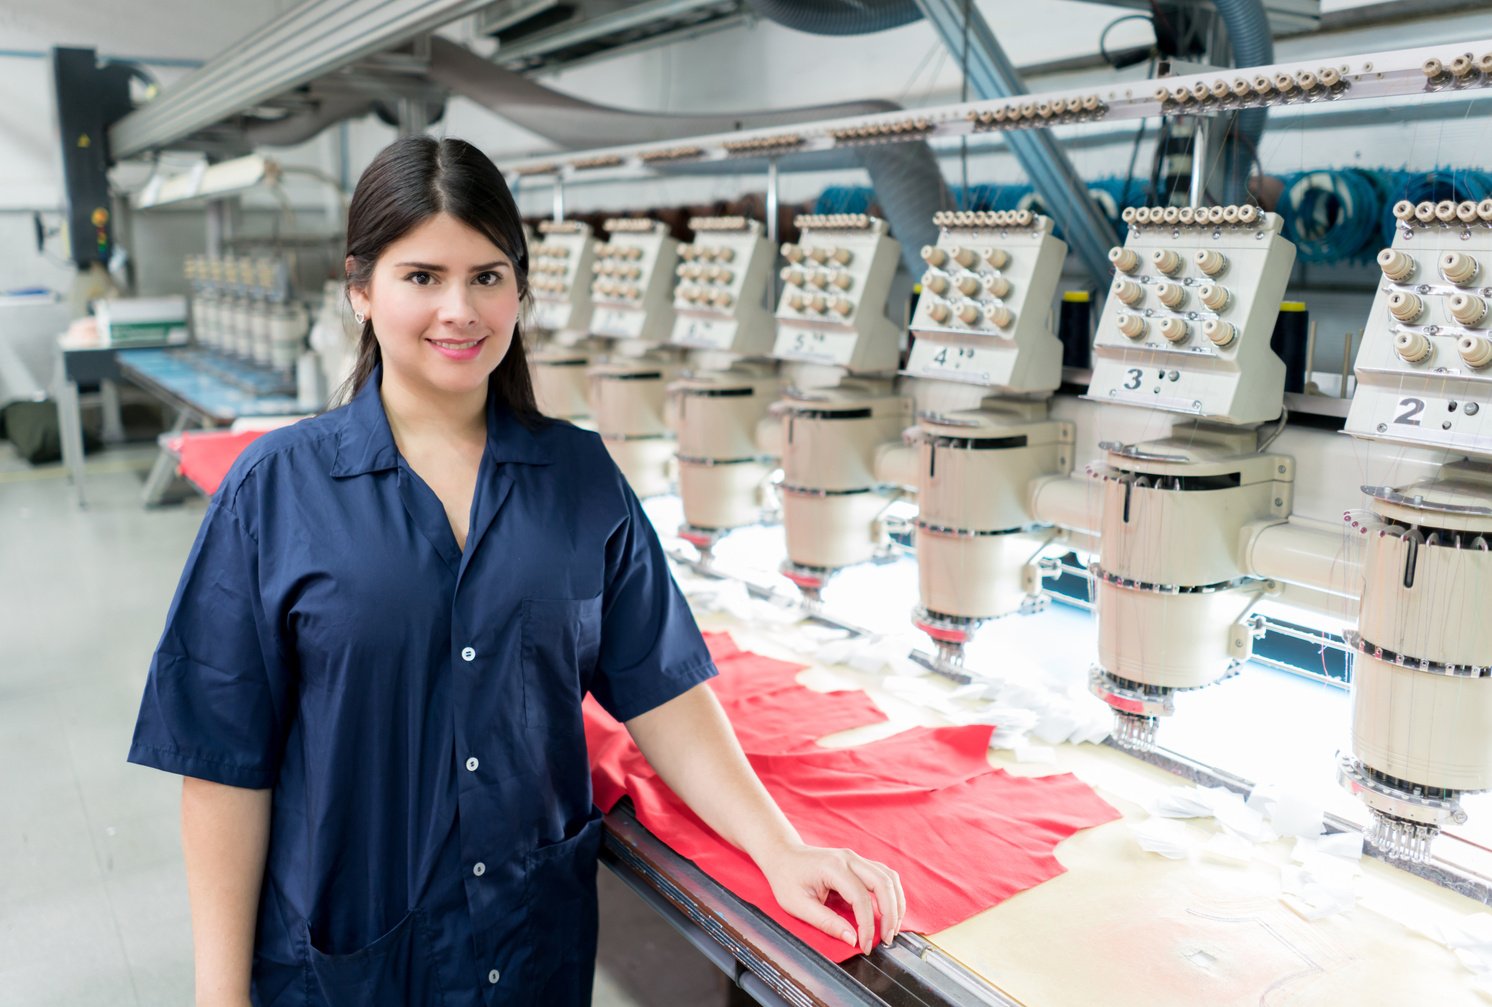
207,389
1122,926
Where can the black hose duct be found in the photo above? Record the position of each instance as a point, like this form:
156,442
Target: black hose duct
907,180
573,123
909,186
302,126
908,183
839,17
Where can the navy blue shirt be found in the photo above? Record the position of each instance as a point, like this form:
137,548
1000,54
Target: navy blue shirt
415,706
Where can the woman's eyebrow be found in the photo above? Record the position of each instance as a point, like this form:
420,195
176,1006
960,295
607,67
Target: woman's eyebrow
431,267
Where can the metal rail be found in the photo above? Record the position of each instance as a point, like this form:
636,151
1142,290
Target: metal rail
1388,74
312,40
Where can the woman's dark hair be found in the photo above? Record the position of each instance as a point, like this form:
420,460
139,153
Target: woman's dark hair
411,180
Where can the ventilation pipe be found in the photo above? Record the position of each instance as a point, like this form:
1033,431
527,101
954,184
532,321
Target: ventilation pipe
1252,44
839,17
302,126
908,183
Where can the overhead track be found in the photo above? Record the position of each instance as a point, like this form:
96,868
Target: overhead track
314,39
1396,73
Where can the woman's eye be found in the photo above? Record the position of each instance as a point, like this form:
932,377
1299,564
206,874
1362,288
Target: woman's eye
420,278
489,278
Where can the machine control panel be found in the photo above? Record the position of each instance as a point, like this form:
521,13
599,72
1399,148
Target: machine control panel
633,281
988,295
559,271
1189,316
720,298
1424,371
835,284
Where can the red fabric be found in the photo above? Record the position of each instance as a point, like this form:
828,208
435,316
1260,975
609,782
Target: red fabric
962,835
763,700
206,457
766,704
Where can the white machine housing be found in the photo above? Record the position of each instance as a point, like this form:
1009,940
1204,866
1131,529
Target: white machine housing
836,314
633,285
1175,337
1422,671
1170,585
559,272
721,294
974,470
1000,332
722,471
831,494
1424,379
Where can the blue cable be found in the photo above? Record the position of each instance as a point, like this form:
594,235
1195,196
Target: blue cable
1455,184
844,199
1332,215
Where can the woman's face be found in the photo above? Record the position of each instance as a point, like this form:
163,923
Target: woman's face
443,300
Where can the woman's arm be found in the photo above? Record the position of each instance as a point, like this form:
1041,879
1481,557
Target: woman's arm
225,837
689,741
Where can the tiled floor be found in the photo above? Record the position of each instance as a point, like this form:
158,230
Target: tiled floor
93,905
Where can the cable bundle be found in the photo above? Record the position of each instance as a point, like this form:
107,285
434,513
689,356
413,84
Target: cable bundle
1335,215
844,199
1455,184
989,197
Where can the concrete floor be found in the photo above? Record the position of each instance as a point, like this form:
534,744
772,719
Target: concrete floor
93,903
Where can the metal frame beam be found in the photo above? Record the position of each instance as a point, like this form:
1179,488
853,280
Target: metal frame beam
637,15
310,41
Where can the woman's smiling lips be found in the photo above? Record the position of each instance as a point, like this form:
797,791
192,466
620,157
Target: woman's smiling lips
458,349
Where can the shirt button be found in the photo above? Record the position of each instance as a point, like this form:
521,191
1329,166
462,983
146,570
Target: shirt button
468,654
494,976
472,764
479,868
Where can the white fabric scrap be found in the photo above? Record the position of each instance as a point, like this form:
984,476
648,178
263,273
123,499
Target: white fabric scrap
1470,931
728,596
870,654
1170,839
1243,821
1054,727
1236,817
1344,845
1290,812
1006,739
1187,802
1470,938
1321,885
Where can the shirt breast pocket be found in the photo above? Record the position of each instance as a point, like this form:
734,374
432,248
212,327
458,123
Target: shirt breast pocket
561,643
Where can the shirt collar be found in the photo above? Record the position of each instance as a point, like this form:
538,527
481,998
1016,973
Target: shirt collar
366,444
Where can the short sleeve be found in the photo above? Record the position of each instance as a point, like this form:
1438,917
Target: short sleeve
651,648
216,699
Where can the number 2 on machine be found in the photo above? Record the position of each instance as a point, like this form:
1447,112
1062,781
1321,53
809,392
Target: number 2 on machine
1409,411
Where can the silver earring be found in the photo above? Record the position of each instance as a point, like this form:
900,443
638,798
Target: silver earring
361,318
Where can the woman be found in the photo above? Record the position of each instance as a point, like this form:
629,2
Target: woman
372,671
